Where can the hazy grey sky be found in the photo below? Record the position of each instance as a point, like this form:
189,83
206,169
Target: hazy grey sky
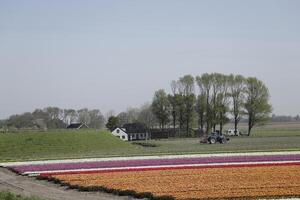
115,54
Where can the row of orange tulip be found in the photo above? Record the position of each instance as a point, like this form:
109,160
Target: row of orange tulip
244,182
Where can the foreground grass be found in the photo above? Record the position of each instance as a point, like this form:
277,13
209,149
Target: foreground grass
10,196
63,144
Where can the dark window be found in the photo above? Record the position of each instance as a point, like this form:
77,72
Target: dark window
118,131
123,136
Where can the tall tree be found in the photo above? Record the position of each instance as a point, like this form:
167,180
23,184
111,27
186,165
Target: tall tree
187,89
84,116
132,114
161,107
96,119
146,116
236,91
257,103
204,83
222,105
173,103
216,80
123,118
72,115
54,112
200,109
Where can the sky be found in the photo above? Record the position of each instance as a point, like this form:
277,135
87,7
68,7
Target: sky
115,54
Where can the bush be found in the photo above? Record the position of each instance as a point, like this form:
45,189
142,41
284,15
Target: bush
145,144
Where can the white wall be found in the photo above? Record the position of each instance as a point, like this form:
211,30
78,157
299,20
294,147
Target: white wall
120,134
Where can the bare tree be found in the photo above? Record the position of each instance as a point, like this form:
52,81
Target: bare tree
96,119
83,116
146,115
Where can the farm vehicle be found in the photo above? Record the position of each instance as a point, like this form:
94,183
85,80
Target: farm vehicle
215,137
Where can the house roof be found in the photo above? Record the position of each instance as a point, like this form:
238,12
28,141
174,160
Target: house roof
77,125
134,128
122,129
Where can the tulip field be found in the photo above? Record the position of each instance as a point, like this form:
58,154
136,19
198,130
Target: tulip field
218,176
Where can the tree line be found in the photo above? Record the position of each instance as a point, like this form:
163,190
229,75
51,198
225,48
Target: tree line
142,114
284,118
207,101
210,99
55,118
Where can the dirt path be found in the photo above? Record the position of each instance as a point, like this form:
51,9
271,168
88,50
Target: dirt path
28,186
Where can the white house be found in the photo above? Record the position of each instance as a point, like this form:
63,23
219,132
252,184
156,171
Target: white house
133,131
120,133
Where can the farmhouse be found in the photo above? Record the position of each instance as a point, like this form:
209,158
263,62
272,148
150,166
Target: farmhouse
132,131
77,126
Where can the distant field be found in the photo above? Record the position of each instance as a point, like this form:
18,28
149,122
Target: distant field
270,130
95,143
236,144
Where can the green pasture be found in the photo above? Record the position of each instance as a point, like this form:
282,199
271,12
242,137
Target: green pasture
60,144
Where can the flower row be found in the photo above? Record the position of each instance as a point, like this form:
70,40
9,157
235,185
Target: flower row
153,162
244,182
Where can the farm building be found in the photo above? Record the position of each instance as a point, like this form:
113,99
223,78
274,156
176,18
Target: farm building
133,131
77,126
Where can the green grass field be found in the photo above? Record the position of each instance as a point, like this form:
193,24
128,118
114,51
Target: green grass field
61,144
10,196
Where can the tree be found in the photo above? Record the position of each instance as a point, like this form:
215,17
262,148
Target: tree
146,116
200,109
112,122
161,107
216,83
54,112
204,83
123,119
72,115
187,87
236,92
179,98
173,103
96,119
83,116
132,114
24,120
222,101
257,103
